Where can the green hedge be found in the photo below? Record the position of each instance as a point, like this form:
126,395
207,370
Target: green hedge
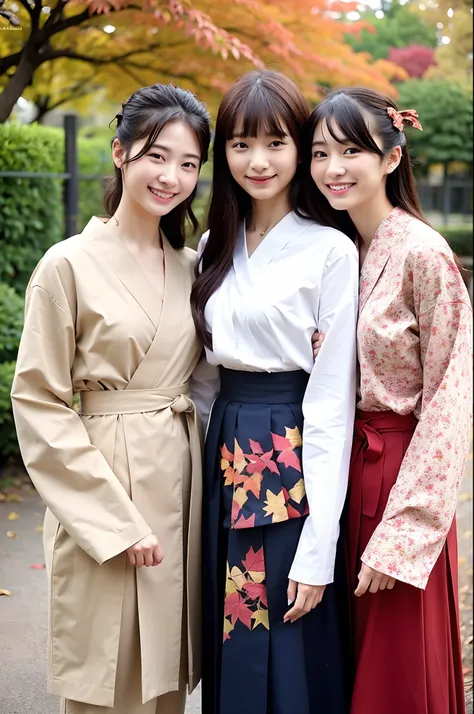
8,440
94,153
11,322
459,238
31,210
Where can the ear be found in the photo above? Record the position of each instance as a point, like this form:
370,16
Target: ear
393,159
118,153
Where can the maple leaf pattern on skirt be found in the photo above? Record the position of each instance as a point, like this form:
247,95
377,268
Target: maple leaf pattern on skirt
265,486
246,594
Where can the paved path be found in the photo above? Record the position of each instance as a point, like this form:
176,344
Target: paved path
23,615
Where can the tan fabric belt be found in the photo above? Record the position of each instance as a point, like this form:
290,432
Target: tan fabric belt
135,401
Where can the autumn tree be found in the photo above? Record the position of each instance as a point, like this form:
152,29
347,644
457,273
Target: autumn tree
414,59
200,44
399,26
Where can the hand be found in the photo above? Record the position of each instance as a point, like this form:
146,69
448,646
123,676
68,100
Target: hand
372,580
304,598
317,341
146,552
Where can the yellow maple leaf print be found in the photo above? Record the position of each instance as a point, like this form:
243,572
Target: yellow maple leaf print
238,577
293,436
298,492
240,496
230,586
276,506
228,626
256,576
260,617
239,460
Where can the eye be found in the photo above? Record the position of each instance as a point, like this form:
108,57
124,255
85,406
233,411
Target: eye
352,150
189,165
277,143
319,154
239,145
156,156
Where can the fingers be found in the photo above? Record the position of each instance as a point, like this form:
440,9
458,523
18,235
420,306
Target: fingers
373,581
299,609
364,582
292,589
157,555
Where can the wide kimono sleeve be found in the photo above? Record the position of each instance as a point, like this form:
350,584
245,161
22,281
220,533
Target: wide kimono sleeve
422,503
328,410
72,476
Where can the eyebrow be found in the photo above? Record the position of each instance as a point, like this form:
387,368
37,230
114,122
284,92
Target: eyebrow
166,148
324,143
267,134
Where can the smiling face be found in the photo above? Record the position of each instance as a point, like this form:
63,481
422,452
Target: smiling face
350,177
165,175
263,166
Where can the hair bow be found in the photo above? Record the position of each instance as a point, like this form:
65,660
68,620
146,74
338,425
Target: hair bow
407,117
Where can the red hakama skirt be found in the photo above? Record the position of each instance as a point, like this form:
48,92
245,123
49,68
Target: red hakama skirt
406,641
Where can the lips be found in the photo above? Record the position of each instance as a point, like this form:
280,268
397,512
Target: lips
261,179
165,195
338,189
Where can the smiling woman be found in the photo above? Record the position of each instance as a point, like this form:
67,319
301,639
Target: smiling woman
108,319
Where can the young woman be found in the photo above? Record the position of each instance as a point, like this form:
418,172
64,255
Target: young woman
279,437
413,413
108,318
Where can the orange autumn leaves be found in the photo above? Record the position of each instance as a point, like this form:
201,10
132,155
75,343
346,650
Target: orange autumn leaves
245,473
246,594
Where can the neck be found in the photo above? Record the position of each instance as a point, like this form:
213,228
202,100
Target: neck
266,214
368,216
135,225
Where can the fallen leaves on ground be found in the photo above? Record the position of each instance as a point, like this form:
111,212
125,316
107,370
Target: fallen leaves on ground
12,534
5,592
13,516
39,529
13,498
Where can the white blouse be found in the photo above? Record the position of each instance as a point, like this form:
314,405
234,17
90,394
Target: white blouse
302,277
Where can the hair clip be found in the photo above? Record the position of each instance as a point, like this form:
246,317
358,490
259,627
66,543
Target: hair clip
404,117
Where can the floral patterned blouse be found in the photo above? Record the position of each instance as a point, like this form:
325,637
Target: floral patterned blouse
415,355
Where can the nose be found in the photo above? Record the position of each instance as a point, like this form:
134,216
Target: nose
168,175
259,161
335,168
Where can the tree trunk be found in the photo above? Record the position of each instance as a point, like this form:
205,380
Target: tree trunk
17,84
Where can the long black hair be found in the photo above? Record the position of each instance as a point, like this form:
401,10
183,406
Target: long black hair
259,102
348,109
143,116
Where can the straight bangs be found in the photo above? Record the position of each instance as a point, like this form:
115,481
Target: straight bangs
255,114
345,114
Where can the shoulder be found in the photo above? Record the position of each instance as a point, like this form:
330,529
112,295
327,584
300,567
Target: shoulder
189,255
423,243
202,244
57,262
332,242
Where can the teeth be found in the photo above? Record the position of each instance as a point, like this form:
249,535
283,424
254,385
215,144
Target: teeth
161,194
340,187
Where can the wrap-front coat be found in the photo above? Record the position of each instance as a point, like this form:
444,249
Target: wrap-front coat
123,464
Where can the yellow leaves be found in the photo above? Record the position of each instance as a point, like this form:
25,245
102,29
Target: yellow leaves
238,577
465,497
12,516
256,576
228,627
294,437
298,492
12,534
239,460
275,507
240,496
5,592
39,529
260,617
12,498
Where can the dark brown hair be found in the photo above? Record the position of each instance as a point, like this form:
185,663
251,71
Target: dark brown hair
143,116
347,109
259,102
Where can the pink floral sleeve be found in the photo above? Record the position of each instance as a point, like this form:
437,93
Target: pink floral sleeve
422,503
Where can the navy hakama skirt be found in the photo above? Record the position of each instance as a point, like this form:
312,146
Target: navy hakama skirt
254,510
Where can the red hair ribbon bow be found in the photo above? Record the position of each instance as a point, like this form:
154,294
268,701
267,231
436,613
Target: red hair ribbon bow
407,117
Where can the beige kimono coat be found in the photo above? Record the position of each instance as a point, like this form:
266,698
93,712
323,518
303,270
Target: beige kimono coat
121,468
414,341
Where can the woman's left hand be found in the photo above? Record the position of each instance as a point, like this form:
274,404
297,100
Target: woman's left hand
372,580
304,599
